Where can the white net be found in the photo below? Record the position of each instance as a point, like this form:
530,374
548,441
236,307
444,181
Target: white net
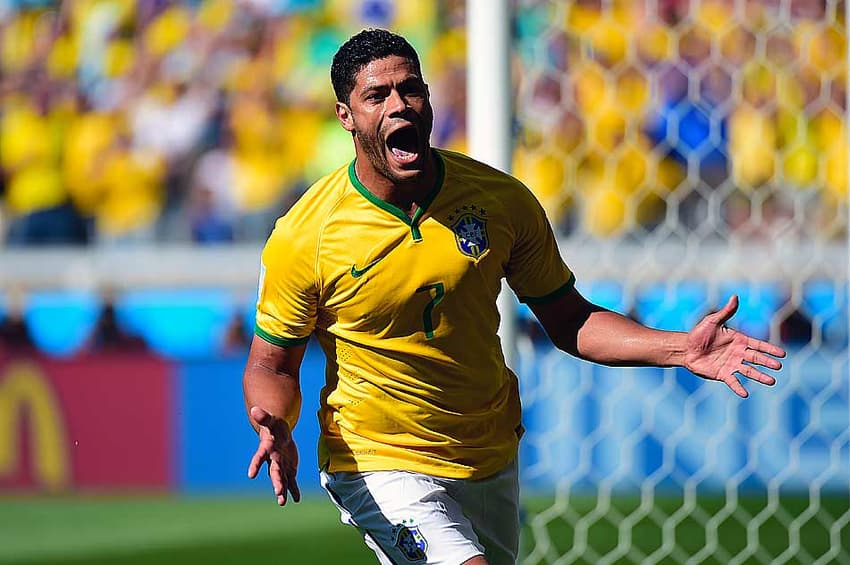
687,151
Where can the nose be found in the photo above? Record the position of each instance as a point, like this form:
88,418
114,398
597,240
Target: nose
395,103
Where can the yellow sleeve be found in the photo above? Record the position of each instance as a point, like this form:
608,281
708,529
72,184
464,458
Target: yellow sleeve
536,272
288,294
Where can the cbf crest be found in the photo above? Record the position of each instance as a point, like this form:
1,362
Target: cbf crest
410,541
470,229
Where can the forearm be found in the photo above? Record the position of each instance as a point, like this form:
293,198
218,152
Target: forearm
276,392
612,339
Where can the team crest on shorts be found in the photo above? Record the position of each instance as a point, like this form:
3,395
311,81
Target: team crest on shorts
470,231
410,541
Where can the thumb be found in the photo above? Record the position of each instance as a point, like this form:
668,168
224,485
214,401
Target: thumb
261,417
724,314
276,426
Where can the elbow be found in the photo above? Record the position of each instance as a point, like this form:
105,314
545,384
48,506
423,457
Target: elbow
566,342
585,349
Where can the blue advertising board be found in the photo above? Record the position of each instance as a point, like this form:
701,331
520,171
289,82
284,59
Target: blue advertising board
587,425
214,440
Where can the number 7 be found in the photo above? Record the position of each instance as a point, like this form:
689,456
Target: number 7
439,292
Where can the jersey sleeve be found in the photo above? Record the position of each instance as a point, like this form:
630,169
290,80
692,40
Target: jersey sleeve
288,293
536,272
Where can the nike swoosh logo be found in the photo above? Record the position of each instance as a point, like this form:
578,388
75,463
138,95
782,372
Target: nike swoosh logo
357,273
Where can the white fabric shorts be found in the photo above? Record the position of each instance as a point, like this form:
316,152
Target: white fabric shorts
408,517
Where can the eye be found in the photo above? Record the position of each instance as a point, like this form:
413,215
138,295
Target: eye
416,89
375,96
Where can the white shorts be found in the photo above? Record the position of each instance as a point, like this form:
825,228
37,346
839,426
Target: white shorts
408,517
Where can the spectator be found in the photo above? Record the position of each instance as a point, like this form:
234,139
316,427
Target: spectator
652,89
36,199
14,336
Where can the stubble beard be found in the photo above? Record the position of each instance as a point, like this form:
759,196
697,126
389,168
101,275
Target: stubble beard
374,147
374,150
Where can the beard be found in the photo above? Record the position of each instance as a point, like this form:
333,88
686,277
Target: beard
374,147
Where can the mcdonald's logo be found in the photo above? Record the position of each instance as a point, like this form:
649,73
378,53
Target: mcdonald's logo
27,399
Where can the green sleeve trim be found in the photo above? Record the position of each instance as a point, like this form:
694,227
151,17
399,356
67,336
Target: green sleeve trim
281,341
557,293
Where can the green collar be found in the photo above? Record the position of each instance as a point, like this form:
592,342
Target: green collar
396,211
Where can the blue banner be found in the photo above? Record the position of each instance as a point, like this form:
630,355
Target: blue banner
587,425
215,440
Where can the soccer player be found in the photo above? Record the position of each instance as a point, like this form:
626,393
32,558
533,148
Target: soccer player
394,263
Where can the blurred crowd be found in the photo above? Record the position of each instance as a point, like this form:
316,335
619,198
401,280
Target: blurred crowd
669,118
155,120
127,121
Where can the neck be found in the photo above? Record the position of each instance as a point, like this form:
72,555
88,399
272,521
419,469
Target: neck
407,196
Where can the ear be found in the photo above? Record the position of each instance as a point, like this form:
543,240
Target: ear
343,114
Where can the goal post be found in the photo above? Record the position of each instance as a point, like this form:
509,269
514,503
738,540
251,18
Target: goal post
490,113
684,152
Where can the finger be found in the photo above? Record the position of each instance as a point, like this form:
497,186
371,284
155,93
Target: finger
736,386
765,347
292,485
277,478
724,314
752,356
260,456
756,375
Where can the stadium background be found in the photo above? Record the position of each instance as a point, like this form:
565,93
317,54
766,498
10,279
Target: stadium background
683,151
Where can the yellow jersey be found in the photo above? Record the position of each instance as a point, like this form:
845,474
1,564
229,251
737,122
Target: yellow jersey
405,312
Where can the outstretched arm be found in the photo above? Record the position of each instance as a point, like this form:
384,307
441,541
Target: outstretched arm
710,349
273,401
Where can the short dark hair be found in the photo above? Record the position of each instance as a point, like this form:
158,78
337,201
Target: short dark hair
360,50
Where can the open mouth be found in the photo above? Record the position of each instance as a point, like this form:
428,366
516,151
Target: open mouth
403,143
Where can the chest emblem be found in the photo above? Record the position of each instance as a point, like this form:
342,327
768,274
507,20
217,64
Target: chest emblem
470,231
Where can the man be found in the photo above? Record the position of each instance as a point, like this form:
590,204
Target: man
394,262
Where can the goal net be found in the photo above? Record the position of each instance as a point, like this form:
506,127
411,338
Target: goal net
686,151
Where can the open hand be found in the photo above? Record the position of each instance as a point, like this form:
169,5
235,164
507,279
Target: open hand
280,452
719,353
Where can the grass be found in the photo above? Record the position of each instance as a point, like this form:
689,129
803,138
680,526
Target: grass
165,530
708,529
135,530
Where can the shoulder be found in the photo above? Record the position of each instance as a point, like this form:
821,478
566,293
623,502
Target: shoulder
495,184
461,165
302,224
310,210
